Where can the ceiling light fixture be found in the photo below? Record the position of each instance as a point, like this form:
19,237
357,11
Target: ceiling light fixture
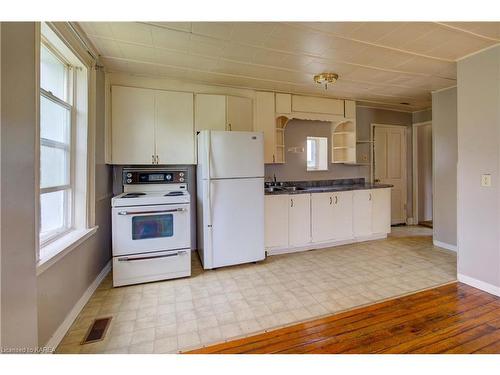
326,79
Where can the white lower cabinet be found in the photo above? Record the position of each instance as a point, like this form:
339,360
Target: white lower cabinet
299,219
381,211
362,213
342,215
276,220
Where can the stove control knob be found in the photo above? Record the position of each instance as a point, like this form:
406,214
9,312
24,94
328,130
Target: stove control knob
169,177
181,174
129,180
181,179
129,175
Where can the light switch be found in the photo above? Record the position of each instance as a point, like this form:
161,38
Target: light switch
486,180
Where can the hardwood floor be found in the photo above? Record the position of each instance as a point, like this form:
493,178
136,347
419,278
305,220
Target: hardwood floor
454,318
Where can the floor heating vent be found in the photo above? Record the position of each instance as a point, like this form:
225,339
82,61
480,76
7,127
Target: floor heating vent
97,331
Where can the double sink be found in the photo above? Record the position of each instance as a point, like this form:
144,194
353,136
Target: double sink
272,189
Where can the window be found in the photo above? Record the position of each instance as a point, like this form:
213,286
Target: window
63,157
317,153
56,128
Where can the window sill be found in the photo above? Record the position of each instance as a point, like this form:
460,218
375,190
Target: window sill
56,250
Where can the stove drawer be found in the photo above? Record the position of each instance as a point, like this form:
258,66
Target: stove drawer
142,268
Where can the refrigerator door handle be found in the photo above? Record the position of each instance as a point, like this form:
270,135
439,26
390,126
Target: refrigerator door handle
209,193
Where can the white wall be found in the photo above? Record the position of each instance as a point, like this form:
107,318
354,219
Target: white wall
18,137
478,79
444,124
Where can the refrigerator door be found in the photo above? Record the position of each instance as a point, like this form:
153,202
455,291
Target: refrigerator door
236,210
234,154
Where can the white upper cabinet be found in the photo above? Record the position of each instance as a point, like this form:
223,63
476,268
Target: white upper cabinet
175,140
313,104
283,103
265,121
239,114
350,109
210,112
151,126
132,125
362,213
223,112
276,220
299,224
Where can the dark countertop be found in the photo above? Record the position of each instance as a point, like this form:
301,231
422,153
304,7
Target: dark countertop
329,186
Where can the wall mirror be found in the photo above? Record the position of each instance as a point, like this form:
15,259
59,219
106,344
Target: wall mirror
317,153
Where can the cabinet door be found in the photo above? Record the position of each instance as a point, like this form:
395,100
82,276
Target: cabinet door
283,103
314,104
349,109
299,226
174,128
362,213
322,219
381,213
210,112
342,215
132,125
265,122
239,114
276,220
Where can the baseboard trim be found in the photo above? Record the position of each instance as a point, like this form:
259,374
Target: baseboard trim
321,245
445,245
58,335
489,288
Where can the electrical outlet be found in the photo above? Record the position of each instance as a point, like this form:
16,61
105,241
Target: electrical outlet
486,180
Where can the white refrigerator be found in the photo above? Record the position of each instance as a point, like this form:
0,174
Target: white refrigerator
230,198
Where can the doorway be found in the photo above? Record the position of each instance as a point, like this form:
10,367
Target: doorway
422,173
389,166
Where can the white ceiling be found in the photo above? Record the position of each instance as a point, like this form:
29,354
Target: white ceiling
380,62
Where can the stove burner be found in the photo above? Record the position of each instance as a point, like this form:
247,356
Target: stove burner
174,193
133,195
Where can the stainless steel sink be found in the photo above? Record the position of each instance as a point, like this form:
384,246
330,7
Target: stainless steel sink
294,188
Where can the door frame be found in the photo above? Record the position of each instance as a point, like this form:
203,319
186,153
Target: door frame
405,164
414,139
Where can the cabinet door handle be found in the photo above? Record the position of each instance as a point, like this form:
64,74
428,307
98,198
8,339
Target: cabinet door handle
370,197
157,159
274,159
229,127
336,199
152,159
291,202
330,201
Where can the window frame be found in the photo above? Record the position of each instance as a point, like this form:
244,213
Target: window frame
68,189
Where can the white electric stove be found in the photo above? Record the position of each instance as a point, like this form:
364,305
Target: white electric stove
151,227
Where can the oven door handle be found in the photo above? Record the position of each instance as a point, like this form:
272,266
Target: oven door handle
151,212
126,259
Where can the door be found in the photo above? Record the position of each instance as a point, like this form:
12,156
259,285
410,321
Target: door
210,112
381,211
362,213
144,229
239,114
132,125
174,128
424,172
276,220
390,166
265,121
299,225
236,154
342,215
322,226
236,208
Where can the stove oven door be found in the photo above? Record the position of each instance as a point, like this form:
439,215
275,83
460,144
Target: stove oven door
144,229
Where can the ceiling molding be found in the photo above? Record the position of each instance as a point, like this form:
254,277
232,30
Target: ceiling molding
458,28
477,52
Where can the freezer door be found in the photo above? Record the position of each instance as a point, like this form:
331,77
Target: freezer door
236,154
236,208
